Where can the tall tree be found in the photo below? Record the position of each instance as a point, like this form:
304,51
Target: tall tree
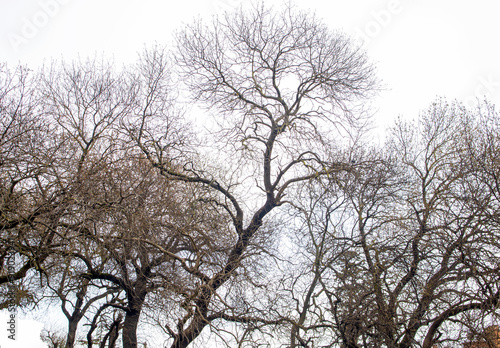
166,214
21,163
281,85
120,211
420,265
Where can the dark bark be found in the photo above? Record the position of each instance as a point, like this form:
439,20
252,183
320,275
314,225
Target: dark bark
112,335
185,337
73,325
136,298
130,328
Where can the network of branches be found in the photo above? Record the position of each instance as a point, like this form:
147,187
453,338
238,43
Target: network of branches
227,191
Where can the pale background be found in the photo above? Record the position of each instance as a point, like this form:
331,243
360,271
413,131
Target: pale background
422,48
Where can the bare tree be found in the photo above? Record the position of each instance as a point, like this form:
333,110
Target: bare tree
22,166
127,210
30,205
152,216
77,294
419,266
453,242
328,283
53,339
82,102
283,86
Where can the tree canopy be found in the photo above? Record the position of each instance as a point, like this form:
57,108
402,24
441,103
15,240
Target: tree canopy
271,219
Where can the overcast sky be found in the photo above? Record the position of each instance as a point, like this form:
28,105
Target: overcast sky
422,48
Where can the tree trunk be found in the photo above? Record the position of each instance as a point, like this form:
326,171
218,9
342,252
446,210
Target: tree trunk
185,337
113,333
73,325
136,296
130,328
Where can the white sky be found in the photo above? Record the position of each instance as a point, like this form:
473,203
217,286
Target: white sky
422,48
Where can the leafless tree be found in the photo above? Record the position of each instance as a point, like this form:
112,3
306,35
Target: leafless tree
21,163
118,208
77,295
283,86
29,203
453,243
160,213
419,268
129,208
59,134
53,339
